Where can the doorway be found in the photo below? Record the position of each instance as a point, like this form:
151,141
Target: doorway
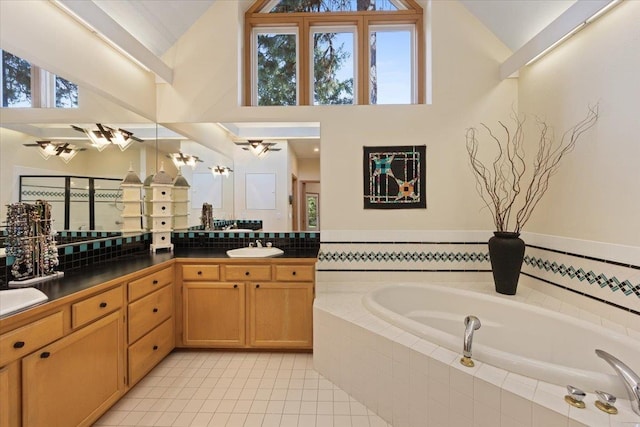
293,201
311,205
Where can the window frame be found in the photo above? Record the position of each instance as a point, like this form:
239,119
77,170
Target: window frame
348,28
413,49
280,29
411,15
43,88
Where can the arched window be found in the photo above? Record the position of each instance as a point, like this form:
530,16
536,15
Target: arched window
321,52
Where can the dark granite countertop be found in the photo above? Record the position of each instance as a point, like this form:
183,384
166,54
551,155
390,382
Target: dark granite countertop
78,280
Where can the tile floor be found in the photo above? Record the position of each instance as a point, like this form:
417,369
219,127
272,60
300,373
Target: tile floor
212,388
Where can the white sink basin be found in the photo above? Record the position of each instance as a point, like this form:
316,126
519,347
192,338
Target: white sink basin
254,252
16,299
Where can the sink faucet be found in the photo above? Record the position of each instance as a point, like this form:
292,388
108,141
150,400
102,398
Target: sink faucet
630,379
259,243
471,323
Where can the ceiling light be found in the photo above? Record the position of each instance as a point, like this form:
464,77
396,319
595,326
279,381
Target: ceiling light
179,159
221,170
259,148
59,149
106,135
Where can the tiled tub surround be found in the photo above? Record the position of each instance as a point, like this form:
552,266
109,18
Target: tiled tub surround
599,277
409,381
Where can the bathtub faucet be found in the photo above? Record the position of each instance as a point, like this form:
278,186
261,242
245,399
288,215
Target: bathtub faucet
630,379
471,323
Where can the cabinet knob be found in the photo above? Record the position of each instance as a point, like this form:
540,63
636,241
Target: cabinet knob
44,354
155,347
199,273
163,222
246,273
235,286
294,273
18,344
257,286
155,310
155,282
103,304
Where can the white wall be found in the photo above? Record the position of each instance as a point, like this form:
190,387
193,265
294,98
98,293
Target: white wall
595,195
466,90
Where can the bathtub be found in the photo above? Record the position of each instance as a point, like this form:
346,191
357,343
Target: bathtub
517,337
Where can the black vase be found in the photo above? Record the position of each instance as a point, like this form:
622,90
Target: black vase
506,251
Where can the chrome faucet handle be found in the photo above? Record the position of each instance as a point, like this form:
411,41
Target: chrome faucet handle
251,244
269,244
605,402
575,396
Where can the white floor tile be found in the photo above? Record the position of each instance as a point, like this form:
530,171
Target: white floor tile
217,389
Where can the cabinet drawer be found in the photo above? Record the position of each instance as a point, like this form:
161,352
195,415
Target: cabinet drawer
31,337
247,272
294,273
201,272
141,287
146,313
149,350
95,307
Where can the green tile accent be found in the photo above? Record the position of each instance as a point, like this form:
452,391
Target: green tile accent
96,245
68,250
84,247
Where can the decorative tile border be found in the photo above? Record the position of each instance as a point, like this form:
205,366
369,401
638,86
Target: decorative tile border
299,241
403,256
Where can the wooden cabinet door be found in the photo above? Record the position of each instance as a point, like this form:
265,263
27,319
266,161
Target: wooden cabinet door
280,315
10,395
77,378
214,314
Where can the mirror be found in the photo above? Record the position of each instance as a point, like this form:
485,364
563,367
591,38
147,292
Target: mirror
294,164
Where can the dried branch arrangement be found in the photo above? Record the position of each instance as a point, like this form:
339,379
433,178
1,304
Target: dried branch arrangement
504,182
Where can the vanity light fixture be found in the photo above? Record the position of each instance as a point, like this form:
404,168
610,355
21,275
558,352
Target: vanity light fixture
106,135
59,149
221,170
179,159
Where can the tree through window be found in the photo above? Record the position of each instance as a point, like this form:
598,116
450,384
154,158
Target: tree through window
320,52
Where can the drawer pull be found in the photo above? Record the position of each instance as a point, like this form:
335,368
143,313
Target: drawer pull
155,310
199,273
155,347
294,273
246,273
155,282
257,286
45,354
235,286
18,344
103,304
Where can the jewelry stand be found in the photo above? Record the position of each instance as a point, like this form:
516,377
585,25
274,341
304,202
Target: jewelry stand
31,243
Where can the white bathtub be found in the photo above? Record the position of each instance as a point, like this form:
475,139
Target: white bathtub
528,340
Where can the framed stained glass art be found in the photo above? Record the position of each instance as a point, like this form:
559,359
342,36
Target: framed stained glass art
395,177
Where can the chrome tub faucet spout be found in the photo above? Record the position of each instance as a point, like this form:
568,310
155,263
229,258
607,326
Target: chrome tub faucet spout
471,323
630,379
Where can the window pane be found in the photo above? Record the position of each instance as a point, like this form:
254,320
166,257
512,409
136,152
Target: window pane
66,93
286,6
277,69
333,68
390,71
16,81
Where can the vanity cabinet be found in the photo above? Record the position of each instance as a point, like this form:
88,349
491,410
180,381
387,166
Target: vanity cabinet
150,325
77,378
265,303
